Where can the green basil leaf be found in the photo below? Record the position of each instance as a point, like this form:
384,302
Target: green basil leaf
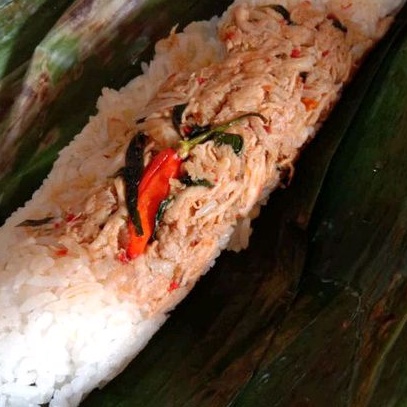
131,174
283,11
159,215
337,24
233,140
197,130
198,182
36,222
177,112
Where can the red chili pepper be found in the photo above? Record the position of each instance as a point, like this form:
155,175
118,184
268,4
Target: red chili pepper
154,187
295,53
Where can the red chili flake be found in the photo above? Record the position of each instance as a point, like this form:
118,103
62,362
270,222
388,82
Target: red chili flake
267,88
229,35
57,225
325,53
187,130
61,252
295,53
173,286
310,104
267,128
70,217
346,6
201,80
331,16
122,257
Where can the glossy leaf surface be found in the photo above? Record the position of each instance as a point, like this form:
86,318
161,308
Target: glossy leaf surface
314,312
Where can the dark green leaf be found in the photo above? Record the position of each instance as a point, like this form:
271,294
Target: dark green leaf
283,11
202,137
195,130
337,24
198,182
135,152
177,112
36,222
131,174
230,139
159,215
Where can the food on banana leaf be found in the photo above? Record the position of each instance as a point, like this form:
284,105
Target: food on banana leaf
115,238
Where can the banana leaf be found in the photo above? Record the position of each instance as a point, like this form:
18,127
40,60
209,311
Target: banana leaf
56,63
313,313
23,24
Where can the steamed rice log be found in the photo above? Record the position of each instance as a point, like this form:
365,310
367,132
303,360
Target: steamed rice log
74,308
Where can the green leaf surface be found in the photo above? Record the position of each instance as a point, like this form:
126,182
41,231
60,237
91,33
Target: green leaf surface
23,24
314,312
235,141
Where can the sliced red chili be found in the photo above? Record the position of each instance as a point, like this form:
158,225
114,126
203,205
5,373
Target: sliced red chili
154,187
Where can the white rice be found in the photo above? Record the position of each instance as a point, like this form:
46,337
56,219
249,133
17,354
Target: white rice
63,326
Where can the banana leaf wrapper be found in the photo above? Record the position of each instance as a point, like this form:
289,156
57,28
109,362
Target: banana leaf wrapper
23,24
314,312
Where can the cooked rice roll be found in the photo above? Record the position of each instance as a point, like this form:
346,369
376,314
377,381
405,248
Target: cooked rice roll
86,278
